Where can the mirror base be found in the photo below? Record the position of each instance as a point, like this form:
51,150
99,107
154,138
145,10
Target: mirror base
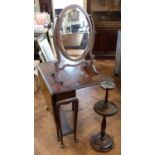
57,77
86,63
91,67
94,69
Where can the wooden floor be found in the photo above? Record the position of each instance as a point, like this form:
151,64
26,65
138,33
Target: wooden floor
45,141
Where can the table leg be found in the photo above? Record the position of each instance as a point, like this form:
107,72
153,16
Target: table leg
59,125
73,106
57,128
76,106
75,103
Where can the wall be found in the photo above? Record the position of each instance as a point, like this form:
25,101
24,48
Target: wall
58,4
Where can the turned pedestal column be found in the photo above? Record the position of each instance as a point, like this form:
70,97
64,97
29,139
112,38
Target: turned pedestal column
101,141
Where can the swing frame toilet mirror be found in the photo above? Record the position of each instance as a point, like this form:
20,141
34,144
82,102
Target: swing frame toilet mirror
62,50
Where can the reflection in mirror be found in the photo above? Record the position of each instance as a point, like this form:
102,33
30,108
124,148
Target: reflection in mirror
74,33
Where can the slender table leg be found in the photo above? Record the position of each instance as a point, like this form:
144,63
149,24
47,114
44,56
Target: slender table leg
75,103
76,106
58,137
60,128
73,106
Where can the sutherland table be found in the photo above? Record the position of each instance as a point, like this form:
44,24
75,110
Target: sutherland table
55,94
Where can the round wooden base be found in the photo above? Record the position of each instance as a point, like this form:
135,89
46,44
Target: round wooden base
104,144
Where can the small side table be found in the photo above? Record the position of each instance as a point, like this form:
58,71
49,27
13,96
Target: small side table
56,94
101,141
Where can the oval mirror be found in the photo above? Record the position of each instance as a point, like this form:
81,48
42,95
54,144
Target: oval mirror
74,39
74,33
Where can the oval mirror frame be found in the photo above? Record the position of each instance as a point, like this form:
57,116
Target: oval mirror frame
58,27
60,50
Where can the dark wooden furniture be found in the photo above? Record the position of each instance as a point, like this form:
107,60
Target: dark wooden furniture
36,49
47,6
56,94
107,19
101,141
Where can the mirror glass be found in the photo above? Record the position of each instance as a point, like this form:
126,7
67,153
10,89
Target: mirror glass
74,33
